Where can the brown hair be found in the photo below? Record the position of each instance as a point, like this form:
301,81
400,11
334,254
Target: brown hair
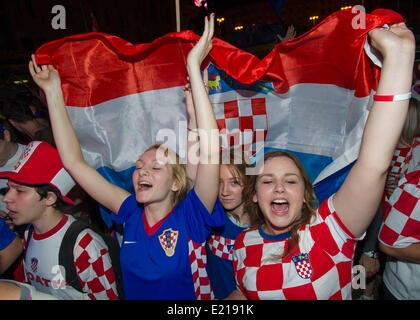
238,170
308,209
60,204
179,172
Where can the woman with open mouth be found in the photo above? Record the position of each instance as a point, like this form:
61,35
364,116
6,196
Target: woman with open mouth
303,252
165,225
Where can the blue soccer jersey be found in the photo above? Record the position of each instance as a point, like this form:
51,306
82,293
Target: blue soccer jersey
167,262
220,259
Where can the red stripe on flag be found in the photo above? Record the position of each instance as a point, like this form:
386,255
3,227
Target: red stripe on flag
97,67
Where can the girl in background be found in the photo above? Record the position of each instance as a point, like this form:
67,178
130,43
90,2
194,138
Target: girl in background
220,244
232,180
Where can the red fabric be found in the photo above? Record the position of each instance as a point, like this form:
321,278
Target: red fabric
151,230
92,267
383,98
40,163
19,273
49,233
97,67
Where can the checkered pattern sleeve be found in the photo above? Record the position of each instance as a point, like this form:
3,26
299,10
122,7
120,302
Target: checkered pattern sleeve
401,213
94,267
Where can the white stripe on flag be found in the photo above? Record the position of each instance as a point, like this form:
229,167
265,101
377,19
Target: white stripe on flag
333,130
301,121
115,133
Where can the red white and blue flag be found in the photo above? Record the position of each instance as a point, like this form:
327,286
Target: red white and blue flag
310,95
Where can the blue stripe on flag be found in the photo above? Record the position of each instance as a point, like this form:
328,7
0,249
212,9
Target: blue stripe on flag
221,82
330,185
122,179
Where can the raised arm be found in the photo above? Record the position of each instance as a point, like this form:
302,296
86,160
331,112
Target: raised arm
192,134
358,198
207,177
107,194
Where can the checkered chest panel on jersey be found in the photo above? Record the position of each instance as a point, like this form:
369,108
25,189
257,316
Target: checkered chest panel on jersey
319,269
242,123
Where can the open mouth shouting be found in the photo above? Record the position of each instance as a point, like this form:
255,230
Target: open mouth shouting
280,207
145,186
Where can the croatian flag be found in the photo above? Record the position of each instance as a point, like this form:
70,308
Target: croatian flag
310,96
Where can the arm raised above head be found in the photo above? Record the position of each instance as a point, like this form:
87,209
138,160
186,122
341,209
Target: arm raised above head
192,134
207,176
358,198
107,194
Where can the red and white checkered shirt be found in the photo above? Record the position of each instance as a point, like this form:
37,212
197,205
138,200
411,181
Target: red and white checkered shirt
319,269
91,259
401,212
94,268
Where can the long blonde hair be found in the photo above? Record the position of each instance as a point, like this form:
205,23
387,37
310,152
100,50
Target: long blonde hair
308,209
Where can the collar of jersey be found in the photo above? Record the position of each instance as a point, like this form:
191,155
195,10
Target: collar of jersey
273,237
151,230
49,233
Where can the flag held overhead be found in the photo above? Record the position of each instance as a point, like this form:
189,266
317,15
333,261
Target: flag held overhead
310,95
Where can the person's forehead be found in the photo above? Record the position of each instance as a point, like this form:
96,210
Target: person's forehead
229,171
153,156
13,183
279,166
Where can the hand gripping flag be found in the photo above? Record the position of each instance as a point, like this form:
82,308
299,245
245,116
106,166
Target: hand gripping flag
310,95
